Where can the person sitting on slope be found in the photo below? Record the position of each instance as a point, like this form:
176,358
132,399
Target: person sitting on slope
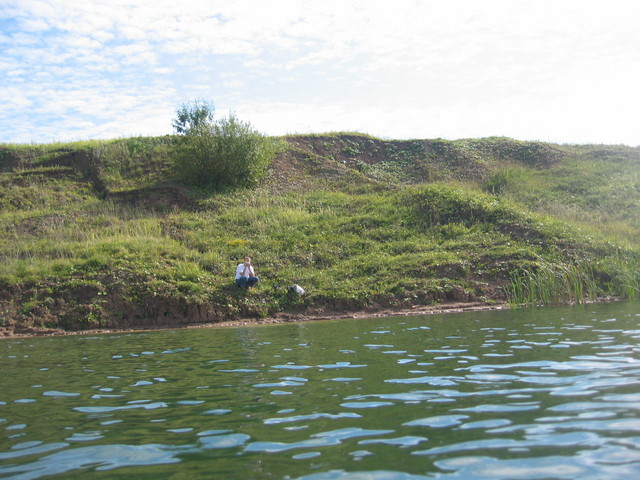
245,275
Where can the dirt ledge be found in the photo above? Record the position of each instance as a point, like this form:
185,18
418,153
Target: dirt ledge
449,307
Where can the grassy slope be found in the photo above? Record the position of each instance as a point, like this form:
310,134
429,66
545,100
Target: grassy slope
95,234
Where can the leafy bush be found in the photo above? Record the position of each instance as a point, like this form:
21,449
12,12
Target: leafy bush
223,153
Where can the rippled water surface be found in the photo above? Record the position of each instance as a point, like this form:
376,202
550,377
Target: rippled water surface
531,394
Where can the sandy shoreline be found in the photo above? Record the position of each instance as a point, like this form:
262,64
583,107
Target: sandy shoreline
452,307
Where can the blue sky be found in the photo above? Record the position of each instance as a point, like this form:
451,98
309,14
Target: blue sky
565,71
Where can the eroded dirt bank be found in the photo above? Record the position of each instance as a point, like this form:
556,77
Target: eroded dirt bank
450,307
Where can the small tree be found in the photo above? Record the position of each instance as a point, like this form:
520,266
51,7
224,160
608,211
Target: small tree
193,115
223,153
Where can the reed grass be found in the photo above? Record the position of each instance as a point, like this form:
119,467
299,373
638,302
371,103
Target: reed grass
561,283
624,281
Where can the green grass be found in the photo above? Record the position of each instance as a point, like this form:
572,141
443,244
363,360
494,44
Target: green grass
97,234
596,188
553,284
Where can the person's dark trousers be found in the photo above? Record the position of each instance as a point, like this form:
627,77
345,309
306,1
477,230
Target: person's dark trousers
246,282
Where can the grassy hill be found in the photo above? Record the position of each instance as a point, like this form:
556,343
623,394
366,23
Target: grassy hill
99,235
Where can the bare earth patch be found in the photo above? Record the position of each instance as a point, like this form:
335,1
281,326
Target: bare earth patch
452,307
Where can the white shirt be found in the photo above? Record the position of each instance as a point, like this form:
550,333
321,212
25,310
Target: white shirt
240,269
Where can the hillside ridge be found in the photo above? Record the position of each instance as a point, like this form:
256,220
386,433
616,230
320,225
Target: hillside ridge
100,234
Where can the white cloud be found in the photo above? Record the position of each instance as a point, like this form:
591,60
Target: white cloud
35,25
528,68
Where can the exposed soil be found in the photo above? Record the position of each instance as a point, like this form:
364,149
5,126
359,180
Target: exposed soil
450,307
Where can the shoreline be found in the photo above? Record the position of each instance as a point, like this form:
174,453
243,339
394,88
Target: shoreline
451,307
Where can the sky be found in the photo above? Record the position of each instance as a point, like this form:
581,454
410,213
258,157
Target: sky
563,71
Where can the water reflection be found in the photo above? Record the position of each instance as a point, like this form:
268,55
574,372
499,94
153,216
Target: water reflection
529,394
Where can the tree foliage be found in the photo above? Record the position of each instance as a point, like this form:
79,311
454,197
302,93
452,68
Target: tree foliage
193,115
220,153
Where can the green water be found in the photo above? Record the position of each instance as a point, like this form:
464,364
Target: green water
527,394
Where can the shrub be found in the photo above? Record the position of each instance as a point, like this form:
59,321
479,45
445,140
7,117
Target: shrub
220,154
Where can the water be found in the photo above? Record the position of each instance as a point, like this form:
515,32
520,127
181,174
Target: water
531,394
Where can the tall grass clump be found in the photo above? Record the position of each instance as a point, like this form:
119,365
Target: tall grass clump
552,284
624,277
